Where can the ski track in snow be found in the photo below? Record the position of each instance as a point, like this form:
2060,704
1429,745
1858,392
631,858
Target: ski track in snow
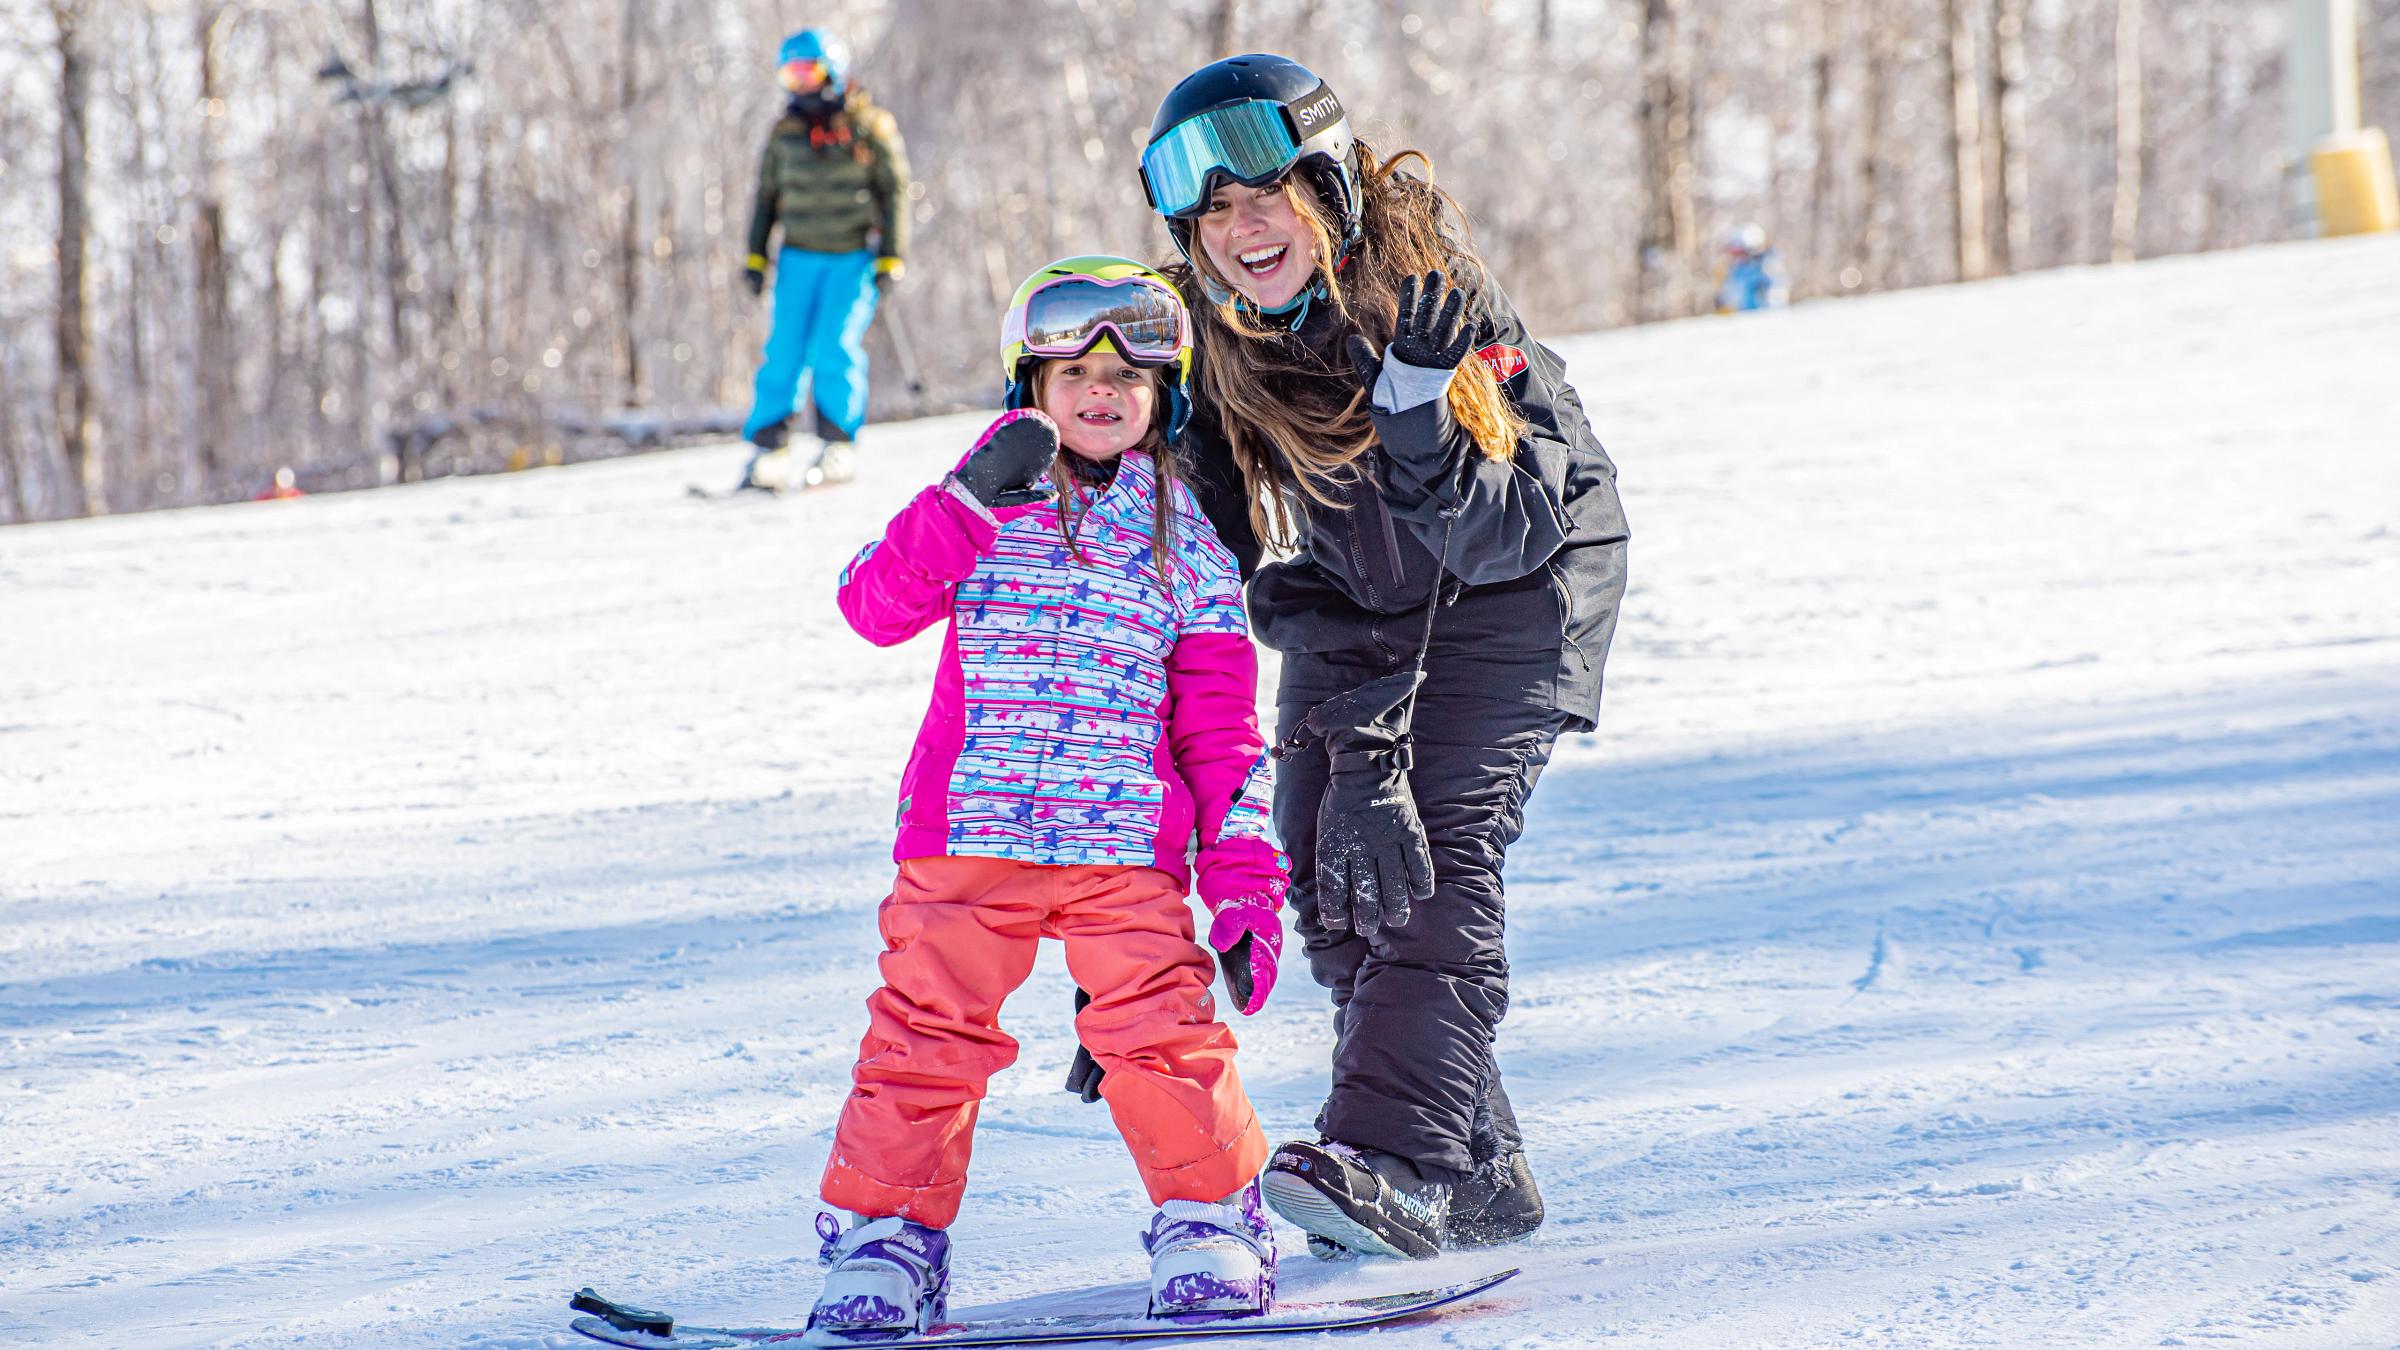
1977,921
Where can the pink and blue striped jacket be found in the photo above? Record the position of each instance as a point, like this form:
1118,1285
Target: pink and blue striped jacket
1085,710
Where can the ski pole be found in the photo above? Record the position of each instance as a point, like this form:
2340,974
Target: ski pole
906,351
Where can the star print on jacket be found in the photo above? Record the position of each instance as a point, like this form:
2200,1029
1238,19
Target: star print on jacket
1090,706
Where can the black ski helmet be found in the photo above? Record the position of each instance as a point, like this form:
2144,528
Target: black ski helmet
1313,125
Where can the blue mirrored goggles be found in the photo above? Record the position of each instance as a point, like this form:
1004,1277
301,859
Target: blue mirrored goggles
1252,143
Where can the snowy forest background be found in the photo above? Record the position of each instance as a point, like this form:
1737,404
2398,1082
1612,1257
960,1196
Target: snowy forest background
378,240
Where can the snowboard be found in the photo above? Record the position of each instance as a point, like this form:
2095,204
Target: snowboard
615,1322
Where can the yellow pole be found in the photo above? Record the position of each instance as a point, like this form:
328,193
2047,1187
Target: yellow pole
2355,191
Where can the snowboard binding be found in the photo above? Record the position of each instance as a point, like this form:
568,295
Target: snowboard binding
885,1277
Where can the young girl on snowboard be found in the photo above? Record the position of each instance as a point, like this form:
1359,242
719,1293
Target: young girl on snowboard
1093,709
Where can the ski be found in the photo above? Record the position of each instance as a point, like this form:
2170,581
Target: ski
813,482
645,1329
709,494
783,472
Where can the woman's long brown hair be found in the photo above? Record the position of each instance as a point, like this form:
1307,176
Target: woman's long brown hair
1073,506
1297,420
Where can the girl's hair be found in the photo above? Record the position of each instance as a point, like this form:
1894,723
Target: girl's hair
1068,466
1297,420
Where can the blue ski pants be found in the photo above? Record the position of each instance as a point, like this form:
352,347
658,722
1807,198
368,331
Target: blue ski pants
823,304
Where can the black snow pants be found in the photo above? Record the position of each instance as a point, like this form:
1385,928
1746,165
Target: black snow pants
1416,1007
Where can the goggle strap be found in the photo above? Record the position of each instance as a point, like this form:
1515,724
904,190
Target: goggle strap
1322,110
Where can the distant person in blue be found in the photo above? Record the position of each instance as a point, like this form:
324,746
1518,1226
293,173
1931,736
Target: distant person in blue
834,177
1753,276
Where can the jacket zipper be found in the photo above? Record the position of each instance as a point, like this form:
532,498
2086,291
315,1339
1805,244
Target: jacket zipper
1358,552
1566,612
1366,578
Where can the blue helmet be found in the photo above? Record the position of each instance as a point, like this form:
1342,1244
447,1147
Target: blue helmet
815,44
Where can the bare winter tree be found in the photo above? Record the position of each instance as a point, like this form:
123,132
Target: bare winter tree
2012,213
2212,184
212,330
72,390
1872,235
1668,238
1823,42
629,268
1222,30
2124,231
1966,141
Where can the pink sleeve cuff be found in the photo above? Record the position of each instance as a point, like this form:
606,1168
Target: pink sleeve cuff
1234,868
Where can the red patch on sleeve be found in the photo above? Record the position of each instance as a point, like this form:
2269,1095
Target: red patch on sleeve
1506,362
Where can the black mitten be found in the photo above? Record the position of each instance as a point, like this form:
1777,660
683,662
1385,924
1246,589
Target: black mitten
1372,856
1012,456
1084,1075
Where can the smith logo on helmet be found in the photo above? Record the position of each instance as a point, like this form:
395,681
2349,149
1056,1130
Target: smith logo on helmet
1318,111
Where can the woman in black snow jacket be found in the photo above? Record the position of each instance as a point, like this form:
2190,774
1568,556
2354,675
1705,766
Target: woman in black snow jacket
1370,402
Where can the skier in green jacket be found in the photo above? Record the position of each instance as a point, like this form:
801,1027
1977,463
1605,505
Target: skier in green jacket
834,176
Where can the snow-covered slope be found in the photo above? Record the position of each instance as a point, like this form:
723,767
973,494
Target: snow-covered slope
1978,921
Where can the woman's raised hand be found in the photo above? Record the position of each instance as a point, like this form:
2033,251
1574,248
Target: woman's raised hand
1432,332
1013,455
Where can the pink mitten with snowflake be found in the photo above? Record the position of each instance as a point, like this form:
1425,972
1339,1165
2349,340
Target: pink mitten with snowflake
1248,936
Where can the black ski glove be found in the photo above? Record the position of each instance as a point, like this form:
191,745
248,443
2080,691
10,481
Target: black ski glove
1010,459
1084,1075
1372,857
1431,333
755,279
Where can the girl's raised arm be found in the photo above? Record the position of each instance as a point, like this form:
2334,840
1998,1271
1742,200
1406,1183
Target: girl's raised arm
905,582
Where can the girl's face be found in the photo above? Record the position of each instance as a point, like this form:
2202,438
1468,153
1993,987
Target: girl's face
1258,241
1101,404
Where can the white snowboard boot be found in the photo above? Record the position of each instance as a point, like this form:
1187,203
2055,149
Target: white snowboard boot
1212,1258
886,1275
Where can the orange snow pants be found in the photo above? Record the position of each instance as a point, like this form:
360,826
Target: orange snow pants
959,935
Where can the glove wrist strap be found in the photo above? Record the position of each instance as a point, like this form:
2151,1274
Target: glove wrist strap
1399,755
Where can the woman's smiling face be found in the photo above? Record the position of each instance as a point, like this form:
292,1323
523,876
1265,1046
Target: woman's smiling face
1101,404
1257,240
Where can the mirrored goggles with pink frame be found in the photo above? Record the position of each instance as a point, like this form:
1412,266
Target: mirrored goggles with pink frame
1142,319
